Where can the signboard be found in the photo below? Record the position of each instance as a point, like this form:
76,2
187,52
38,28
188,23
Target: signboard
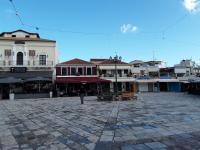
19,42
18,69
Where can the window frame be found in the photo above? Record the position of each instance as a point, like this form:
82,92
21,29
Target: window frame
65,70
7,52
82,72
90,70
71,71
43,62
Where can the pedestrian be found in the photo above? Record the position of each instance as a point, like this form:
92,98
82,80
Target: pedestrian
82,94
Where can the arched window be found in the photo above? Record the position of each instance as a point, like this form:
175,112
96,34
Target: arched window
20,58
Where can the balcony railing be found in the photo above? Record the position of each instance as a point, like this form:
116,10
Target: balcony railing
113,75
26,64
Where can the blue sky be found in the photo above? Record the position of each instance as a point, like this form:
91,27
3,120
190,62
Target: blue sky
135,29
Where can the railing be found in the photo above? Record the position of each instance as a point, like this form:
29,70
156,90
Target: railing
26,64
113,75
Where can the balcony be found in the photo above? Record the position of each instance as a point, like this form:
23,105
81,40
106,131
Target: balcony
26,64
113,75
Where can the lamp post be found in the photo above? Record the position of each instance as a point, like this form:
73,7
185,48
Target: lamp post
116,60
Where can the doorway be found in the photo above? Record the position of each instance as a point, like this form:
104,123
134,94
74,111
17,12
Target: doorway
20,58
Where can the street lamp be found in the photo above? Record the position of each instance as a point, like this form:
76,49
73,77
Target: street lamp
116,60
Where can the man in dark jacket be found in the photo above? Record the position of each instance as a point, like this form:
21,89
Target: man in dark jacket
82,94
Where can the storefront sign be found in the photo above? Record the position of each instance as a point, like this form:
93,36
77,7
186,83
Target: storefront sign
18,69
19,42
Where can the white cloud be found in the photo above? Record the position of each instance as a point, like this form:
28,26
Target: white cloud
128,28
192,5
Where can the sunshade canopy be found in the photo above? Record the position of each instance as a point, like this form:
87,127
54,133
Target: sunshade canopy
41,79
10,80
80,80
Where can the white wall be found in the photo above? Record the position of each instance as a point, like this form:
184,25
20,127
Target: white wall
143,87
180,70
112,67
41,48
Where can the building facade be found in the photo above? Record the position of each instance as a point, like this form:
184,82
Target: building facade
149,68
25,56
185,68
73,74
107,71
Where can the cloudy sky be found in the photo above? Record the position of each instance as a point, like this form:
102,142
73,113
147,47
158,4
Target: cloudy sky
134,29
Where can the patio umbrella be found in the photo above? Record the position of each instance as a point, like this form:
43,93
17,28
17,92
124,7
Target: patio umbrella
39,80
10,80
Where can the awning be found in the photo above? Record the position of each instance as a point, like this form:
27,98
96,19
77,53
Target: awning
40,79
80,80
27,75
10,80
120,79
157,80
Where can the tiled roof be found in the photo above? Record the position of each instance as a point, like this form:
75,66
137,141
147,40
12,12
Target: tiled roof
136,62
38,36
108,62
25,39
98,59
77,61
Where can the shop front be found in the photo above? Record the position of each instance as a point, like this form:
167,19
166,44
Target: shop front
33,84
70,86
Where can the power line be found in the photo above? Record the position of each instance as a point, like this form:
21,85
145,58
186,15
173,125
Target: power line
16,12
53,29
80,32
161,32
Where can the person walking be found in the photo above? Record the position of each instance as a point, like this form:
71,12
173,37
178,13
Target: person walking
82,94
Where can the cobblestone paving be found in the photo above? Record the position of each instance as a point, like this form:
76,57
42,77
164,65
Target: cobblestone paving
157,121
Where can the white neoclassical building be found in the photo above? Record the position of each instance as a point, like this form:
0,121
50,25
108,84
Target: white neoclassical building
25,55
23,49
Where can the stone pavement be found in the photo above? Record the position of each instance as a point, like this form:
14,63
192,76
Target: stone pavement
157,121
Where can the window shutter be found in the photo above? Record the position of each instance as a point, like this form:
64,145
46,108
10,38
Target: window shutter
58,71
32,53
7,52
94,71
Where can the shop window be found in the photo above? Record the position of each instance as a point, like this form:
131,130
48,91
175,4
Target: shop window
89,71
94,70
104,71
58,71
126,71
73,71
42,59
80,71
64,71
119,72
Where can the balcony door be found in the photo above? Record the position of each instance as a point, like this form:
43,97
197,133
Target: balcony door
20,58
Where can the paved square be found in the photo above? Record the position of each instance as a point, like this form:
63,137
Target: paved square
155,121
